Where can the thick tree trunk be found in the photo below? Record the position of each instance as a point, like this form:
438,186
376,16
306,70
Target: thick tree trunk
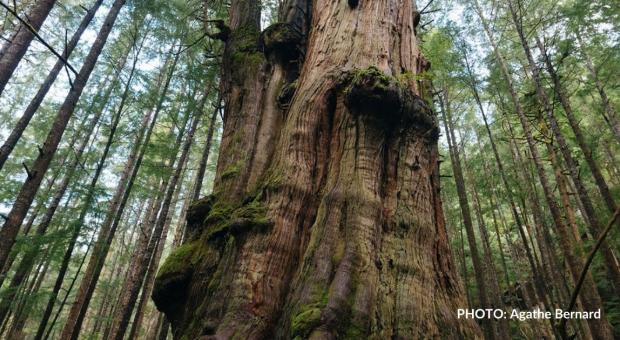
326,219
46,153
20,41
16,133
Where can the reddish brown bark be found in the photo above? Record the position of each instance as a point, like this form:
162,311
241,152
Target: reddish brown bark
326,217
20,41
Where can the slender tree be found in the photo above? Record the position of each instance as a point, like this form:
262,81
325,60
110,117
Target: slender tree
35,103
14,50
36,173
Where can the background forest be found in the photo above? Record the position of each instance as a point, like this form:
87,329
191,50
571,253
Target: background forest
111,121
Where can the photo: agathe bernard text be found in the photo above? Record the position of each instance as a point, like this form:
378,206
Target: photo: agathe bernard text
523,315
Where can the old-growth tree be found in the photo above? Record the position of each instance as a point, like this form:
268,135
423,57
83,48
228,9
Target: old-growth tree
326,218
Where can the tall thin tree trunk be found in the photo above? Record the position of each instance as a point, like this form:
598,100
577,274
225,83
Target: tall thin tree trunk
585,148
610,114
595,226
503,330
149,278
599,328
69,289
31,219
137,274
107,231
479,268
22,123
30,255
90,193
46,153
538,278
20,41
202,166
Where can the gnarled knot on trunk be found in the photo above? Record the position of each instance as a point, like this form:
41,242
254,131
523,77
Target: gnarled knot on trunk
197,213
281,40
173,278
389,102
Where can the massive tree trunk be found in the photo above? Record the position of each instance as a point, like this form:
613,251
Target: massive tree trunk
326,218
14,51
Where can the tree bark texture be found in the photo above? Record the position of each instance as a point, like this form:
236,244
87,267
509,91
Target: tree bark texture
326,218
20,41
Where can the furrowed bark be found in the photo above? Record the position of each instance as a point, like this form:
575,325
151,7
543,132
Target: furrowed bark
329,221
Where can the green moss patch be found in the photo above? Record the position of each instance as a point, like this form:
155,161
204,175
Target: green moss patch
388,101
